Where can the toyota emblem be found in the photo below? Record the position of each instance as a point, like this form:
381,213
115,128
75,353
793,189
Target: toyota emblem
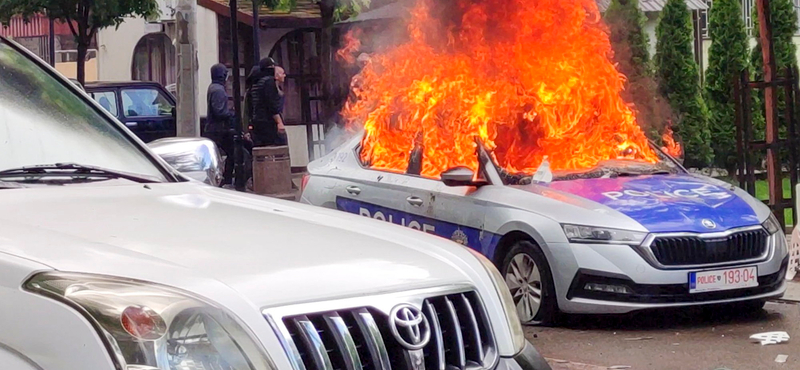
410,327
708,224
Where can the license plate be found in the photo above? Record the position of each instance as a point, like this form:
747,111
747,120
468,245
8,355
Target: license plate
707,281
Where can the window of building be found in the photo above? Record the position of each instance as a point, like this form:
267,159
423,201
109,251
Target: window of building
796,4
703,19
748,16
748,12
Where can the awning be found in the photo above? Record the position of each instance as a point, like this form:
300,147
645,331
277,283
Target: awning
17,27
37,26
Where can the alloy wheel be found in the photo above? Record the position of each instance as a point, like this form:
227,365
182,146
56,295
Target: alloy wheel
525,282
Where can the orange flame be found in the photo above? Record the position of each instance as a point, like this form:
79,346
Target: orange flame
351,44
671,146
529,78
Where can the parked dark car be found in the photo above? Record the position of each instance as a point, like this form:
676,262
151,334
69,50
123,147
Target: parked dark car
147,108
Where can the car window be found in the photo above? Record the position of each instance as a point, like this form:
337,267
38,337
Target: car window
107,100
42,121
145,102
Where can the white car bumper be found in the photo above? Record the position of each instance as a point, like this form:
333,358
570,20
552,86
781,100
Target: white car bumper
648,286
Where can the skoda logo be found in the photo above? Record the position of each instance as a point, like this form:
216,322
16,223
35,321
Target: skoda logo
409,326
708,224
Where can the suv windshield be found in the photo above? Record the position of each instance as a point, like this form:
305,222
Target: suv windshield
44,122
609,168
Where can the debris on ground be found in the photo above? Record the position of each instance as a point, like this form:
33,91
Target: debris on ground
558,364
781,358
638,338
619,367
772,337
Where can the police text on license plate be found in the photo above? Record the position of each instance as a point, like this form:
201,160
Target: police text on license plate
707,281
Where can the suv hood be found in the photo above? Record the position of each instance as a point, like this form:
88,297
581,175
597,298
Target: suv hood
669,203
272,252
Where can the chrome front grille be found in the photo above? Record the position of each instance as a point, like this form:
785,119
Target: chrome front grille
700,249
362,338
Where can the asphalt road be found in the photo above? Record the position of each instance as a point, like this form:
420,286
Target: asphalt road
695,339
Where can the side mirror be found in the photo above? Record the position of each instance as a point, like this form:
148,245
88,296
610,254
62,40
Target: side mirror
173,112
461,176
197,158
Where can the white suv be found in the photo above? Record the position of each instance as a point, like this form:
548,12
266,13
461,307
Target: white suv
111,259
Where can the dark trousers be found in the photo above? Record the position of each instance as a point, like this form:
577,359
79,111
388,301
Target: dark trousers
265,133
224,140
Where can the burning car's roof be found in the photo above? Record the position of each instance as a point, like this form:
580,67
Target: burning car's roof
529,78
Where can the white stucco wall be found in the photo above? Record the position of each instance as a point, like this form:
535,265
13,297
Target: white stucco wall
207,52
650,31
115,54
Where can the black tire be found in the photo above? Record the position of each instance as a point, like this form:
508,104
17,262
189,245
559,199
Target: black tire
548,312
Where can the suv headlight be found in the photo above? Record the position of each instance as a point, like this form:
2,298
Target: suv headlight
151,327
591,234
771,224
517,335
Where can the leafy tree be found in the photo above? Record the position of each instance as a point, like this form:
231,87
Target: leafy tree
84,17
784,26
630,43
678,80
727,58
626,25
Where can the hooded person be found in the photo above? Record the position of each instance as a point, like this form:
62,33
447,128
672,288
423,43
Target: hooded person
220,118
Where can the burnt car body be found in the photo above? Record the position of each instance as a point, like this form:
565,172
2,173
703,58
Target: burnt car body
621,237
146,108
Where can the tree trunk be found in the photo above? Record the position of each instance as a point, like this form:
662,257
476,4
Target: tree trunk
327,8
83,46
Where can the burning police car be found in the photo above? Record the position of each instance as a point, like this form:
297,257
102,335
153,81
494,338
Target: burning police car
623,236
504,127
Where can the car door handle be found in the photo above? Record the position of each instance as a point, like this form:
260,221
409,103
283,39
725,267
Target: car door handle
353,190
415,201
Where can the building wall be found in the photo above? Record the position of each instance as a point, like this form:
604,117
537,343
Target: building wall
207,52
650,30
115,49
70,69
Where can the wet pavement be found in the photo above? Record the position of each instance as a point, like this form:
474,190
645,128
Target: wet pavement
689,339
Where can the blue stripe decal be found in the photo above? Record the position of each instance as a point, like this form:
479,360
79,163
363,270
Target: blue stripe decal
479,240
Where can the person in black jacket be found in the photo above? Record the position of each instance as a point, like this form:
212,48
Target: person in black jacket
220,118
267,106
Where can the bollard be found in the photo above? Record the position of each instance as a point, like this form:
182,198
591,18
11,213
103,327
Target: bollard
272,172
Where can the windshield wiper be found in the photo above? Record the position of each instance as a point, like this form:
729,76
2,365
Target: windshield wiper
62,169
634,174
